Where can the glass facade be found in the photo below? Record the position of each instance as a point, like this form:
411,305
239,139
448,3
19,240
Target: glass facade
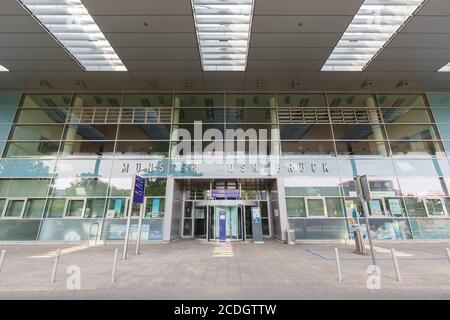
67,161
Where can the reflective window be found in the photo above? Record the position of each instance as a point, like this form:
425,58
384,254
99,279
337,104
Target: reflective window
316,207
250,100
384,187
312,187
415,207
334,207
24,187
45,115
199,100
206,115
86,149
351,100
296,207
402,100
144,132
142,149
31,149
417,148
307,148
395,207
435,207
55,208
358,132
406,115
116,208
79,187
422,187
94,208
34,208
362,148
36,132
301,100
147,100
97,100
14,209
75,208
305,131
412,132
90,132
154,208
46,101
248,115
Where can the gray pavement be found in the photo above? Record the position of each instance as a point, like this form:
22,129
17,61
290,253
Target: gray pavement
192,269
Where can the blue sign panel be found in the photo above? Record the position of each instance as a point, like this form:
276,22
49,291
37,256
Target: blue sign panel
139,190
226,193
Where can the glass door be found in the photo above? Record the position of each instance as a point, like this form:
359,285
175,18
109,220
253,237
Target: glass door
200,221
233,222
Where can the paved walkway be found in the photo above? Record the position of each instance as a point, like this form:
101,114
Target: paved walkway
191,269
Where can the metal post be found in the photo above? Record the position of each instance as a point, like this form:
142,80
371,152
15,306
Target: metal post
130,209
113,275
397,271
369,236
448,255
55,266
2,258
138,240
338,265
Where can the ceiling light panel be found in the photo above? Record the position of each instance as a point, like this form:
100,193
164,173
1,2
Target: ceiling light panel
74,28
376,22
223,31
3,69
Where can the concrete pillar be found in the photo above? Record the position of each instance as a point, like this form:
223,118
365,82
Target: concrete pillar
282,209
376,126
167,225
275,131
175,122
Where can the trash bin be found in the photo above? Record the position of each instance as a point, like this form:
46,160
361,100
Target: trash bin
359,240
291,236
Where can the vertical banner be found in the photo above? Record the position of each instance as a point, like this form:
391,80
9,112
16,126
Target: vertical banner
139,190
222,226
256,225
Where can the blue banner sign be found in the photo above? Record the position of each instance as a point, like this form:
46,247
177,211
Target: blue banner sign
139,190
226,193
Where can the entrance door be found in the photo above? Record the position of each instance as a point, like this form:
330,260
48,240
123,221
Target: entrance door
233,222
200,221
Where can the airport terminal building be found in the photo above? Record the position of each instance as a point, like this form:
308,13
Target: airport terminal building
230,110
68,161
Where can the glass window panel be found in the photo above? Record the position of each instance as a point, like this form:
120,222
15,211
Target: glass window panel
446,202
199,100
79,187
307,148
412,132
116,208
250,100
2,205
417,148
146,100
370,167
312,186
362,148
97,101
352,100
144,132
155,187
31,149
316,207
75,208
249,128
90,132
296,207
24,187
334,207
188,131
305,131
34,208
415,167
422,187
441,115
46,101
31,132
248,115
358,132
206,115
319,229
430,228
301,100
95,208
86,149
384,187
156,149
395,207
120,187
154,207
389,229
14,208
46,115
415,207
55,208
435,207
406,115
402,100
376,207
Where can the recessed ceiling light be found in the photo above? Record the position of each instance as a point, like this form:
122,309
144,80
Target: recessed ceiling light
223,32
376,22
69,22
3,69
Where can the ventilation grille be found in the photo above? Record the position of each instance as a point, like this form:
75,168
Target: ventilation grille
303,115
94,115
112,115
355,115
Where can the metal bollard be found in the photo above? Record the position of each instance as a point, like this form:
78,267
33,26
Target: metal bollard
338,265
113,275
397,270
448,255
55,266
2,258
